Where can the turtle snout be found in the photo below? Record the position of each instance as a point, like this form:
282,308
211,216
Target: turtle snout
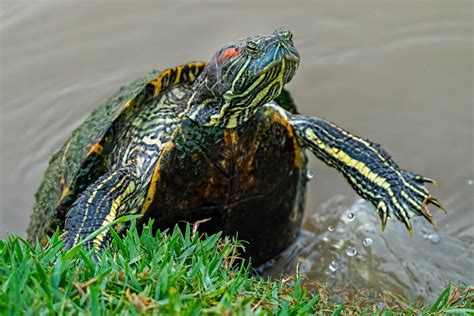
284,34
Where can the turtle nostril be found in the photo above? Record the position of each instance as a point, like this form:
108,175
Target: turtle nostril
288,35
284,34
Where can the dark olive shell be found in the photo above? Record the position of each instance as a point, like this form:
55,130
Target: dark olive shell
79,162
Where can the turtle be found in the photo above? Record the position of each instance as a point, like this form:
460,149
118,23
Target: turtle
219,143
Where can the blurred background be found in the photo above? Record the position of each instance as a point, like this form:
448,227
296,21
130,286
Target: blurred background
397,72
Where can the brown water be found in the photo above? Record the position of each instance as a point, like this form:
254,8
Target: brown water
400,73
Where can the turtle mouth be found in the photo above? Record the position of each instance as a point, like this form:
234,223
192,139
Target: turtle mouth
291,65
287,65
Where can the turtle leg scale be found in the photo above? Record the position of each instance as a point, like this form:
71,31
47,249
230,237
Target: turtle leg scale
101,203
368,168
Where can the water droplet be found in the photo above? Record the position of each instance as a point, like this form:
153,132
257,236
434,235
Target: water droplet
470,182
367,242
309,174
331,228
434,238
350,216
351,251
333,266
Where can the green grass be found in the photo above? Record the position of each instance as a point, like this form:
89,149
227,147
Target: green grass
171,273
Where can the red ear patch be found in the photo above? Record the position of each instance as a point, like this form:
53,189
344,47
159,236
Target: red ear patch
229,52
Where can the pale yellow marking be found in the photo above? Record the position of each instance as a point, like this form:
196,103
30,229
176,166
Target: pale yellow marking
178,69
349,161
239,74
95,149
228,96
158,81
65,192
346,133
89,202
409,199
111,216
127,104
374,178
110,192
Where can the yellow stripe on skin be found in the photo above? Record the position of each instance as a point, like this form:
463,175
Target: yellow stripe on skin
162,81
366,172
403,213
111,216
89,202
347,160
228,96
414,203
381,157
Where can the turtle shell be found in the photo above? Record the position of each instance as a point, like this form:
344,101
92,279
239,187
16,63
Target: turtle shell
84,156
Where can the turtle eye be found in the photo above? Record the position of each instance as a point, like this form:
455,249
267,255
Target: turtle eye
252,47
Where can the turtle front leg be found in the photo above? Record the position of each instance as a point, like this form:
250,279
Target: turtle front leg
101,203
370,170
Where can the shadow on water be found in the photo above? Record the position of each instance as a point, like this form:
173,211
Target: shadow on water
398,73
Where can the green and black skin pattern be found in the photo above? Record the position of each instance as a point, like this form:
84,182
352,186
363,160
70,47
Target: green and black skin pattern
221,143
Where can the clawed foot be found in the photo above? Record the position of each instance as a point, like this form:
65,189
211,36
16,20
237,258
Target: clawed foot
406,196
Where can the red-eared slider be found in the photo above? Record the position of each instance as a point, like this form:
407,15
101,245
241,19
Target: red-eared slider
220,141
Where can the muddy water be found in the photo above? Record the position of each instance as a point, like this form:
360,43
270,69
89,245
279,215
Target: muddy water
400,73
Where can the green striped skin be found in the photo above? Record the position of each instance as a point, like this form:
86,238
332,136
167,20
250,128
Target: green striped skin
212,104
368,168
138,134
241,78
80,162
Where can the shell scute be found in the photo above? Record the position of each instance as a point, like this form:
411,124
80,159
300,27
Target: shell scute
80,160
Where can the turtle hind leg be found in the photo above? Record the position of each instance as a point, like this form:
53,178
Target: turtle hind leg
101,203
368,168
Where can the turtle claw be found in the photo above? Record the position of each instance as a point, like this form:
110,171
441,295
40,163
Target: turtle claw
431,199
405,198
425,212
383,211
423,179
409,227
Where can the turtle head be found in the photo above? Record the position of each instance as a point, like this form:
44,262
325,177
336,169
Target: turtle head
243,76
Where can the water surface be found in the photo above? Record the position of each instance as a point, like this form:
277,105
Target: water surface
399,73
